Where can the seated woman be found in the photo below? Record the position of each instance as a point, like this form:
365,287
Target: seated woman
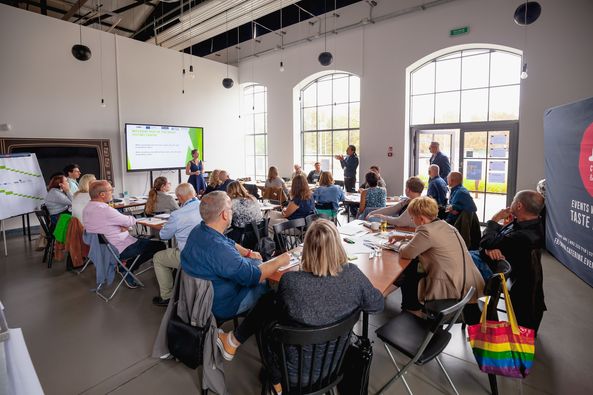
213,181
443,256
325,269
81,197
373,197
158,199
246,209
274,181
58,199
301,203
398,215
328,194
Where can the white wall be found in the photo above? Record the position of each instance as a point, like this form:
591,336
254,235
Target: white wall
46,92
558,53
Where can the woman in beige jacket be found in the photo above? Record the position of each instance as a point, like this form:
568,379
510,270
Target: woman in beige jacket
441,252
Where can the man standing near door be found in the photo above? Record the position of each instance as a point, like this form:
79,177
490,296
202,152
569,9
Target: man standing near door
440,159
350,165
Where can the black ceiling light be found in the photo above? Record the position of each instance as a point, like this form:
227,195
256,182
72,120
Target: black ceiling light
80,51
325,58
527,13
227,82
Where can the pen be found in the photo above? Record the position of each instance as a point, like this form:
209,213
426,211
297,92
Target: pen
349,241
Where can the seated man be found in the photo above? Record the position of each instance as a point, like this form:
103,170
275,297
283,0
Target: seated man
460,199
398,215
237,274
314,175
437,187
98,217
297,170
515,242
225,180
180,224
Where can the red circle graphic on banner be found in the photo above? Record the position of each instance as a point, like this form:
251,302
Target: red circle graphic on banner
586,159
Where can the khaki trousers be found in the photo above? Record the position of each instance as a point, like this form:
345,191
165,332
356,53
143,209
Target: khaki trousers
164,262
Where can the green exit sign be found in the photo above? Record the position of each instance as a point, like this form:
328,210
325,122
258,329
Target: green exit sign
459,31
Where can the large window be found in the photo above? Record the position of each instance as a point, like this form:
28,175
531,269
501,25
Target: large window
330,120
474,85
468,101
255,125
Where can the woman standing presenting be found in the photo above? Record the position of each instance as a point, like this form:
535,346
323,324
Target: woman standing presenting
195,170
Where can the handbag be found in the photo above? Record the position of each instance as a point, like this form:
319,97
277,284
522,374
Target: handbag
356,367
185,342
264,245
502,347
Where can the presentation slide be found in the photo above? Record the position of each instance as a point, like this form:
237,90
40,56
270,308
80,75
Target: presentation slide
152,147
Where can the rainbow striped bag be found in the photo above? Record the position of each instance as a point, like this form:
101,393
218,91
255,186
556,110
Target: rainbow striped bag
500,347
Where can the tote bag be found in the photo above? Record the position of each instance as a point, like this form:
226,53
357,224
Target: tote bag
501,347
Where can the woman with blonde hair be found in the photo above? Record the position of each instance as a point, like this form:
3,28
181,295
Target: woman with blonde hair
325,269
213,181
442,253
158,199
246,209
81,197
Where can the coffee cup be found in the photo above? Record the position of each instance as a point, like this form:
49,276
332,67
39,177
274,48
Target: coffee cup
375,225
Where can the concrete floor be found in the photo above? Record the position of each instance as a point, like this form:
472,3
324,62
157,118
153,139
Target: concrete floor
82,345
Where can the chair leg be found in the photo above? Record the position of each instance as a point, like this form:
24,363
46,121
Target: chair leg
493,384
86,263
50,258
400,373
447,375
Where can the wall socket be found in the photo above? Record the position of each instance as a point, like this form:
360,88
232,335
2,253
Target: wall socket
5,127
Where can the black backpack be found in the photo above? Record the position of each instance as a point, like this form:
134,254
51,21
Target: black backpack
265,245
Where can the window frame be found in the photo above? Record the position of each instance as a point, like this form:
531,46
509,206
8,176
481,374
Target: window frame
251,152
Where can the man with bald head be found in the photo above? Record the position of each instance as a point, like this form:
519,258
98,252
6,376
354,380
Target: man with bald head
98,217
515,242
437,187
460,199
440,159
238,276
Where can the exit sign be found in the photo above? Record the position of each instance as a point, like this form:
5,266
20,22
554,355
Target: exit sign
459,31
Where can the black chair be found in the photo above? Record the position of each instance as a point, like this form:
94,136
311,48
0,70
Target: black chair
247,237
253,190
339,183
48,228
316,352
289,234
421,340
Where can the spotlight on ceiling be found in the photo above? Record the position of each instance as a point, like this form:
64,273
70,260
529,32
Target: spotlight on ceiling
81,52
527,13
325,58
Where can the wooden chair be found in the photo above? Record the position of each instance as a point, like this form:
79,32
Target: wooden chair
276,194
289,234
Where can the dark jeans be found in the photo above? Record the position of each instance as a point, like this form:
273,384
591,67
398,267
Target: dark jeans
409,286
350,184
145,248
266,310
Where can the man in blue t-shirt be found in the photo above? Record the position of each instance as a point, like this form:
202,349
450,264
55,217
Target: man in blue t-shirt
460,199
237,274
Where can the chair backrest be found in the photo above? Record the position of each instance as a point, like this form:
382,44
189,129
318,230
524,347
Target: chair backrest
274,194
289,234
493,286
339,183
312,357
324,206
252,189
450,315
44,222
309,219
248,237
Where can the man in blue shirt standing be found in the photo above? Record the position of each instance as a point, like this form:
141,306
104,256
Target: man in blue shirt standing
460,199
180,224
437,187
350,165
440,159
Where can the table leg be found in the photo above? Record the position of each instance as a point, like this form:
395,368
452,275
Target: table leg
29,226
23,220
4,237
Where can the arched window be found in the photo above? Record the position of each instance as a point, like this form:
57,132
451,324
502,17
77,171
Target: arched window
255,126
468,102
330,120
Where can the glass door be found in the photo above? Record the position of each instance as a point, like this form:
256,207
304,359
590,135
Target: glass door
488,163
448,140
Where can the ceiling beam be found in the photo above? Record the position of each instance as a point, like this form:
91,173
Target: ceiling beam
75,7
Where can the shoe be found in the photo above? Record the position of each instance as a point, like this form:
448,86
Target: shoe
130,283
228,351
158,301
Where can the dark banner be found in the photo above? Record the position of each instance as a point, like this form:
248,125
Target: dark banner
568,141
